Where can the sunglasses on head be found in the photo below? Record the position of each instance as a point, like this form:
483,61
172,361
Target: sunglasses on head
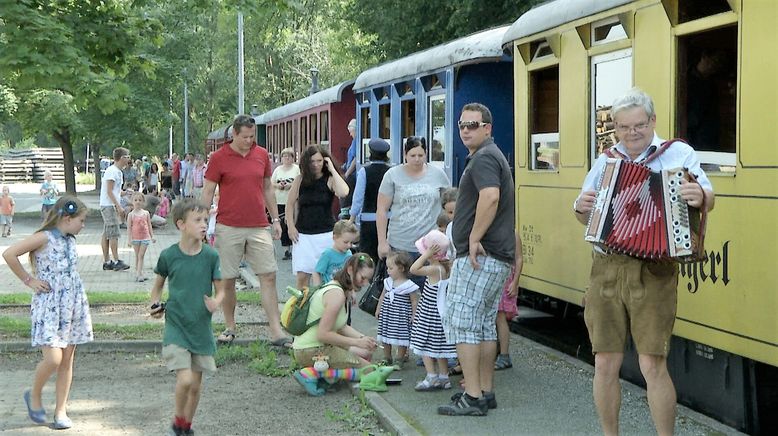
471,125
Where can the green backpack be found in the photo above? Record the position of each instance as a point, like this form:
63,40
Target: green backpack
294,316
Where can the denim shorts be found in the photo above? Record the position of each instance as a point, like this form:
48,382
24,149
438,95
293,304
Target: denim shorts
141,241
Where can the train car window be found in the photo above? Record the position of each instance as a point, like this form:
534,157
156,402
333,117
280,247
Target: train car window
304,132
313,121
408,121
611,77
706,96
384,121
364,119
325,127
544,119
608,30
437,130
540,50
689,10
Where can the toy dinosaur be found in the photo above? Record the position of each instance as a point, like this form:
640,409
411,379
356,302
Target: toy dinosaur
375,380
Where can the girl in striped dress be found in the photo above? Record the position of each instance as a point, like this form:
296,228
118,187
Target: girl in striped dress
396,308
427,337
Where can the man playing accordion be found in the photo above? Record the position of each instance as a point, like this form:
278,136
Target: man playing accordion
631,295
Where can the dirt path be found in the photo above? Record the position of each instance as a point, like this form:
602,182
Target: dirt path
132,394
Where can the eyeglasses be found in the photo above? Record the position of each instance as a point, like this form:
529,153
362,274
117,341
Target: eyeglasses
471,125
636,128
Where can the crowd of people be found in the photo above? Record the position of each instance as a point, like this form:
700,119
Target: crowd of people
452,259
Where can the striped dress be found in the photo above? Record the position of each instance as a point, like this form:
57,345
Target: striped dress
394,322
427,336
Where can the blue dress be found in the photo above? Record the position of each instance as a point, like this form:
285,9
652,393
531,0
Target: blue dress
60,317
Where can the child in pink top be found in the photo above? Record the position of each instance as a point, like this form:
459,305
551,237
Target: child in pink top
139,232
164,204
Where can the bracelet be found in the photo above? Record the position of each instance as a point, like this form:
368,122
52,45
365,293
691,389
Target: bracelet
27,280
276,220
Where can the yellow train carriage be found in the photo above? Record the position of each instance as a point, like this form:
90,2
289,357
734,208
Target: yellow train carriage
712,69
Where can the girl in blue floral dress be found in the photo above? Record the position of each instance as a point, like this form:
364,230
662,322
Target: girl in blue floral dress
59,309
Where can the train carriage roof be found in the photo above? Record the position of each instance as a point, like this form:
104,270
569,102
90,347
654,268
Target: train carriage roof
469,49
330,95
555,13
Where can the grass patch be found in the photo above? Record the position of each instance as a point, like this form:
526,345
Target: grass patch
260,356
119,297
356,415
20,329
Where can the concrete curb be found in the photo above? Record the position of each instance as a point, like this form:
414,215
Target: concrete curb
389,418
139,346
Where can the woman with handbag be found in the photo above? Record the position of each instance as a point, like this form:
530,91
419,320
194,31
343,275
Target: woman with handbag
330,350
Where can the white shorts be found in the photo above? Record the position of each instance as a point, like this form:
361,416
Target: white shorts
307,250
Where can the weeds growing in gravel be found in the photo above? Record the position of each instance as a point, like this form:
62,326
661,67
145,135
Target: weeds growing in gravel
97,297
260,356
356,415
20,329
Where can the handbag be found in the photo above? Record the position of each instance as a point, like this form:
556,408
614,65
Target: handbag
369,300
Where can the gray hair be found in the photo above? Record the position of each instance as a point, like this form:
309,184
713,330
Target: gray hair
635,97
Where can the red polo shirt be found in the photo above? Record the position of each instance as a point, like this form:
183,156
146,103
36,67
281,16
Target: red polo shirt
176,170
241,185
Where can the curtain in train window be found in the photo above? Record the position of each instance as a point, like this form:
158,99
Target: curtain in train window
436,136
325,127
611,78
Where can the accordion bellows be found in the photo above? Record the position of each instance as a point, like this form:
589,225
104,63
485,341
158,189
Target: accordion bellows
640,213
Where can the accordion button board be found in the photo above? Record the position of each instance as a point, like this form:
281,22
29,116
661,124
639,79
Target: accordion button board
640,213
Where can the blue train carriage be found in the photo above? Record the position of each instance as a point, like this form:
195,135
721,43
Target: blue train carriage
321,118
423,93
711,67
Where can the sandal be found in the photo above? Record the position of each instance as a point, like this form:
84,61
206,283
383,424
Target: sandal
282,343
503,362
226,337
457,370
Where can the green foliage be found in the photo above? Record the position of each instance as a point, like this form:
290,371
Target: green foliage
108,297
261,358
85,179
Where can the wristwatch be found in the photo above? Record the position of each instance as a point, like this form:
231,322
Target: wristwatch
276,220
575,206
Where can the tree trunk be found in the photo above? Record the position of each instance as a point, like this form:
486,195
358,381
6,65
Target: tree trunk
96,159
63,137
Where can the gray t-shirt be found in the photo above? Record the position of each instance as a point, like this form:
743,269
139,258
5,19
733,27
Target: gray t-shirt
485,168
415,204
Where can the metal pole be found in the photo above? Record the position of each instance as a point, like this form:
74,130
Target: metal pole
186,118
170,130
240,63
86,161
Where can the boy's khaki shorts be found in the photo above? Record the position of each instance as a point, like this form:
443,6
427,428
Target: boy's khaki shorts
177,357
339,358
254,244
628,295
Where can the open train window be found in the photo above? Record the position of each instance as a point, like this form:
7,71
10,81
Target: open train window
364,120
607,30
384,121
408,120
706,96
314,123
304,132
544,119
611,78
436,137
325,127
689,10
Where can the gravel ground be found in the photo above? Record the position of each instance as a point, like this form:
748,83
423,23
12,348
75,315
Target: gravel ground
132,394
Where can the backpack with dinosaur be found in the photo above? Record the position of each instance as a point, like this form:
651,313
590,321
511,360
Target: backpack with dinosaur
294,316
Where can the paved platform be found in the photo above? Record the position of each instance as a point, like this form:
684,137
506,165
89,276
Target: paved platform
545,393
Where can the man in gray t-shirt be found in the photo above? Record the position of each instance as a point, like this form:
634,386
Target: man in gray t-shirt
484,236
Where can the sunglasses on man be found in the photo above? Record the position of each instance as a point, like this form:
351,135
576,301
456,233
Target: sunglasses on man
471,125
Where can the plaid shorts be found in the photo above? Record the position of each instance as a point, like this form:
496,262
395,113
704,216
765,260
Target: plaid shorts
472,298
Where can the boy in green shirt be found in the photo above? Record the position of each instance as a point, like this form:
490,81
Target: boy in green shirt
188,343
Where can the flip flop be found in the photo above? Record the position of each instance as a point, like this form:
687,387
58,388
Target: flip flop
226,337
282,343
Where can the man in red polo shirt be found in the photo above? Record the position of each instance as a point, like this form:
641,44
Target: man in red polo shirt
241,169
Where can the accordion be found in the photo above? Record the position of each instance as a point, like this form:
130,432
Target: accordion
640,213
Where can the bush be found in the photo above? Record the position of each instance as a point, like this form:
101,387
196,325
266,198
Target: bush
85,179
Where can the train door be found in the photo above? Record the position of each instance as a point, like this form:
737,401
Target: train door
436,133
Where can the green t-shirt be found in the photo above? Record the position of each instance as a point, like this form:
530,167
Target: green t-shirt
309,339
187,320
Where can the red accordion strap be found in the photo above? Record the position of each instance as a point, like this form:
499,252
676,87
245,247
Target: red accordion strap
614,153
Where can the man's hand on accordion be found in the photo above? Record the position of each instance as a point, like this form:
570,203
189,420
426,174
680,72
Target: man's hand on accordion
692,194
585,202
